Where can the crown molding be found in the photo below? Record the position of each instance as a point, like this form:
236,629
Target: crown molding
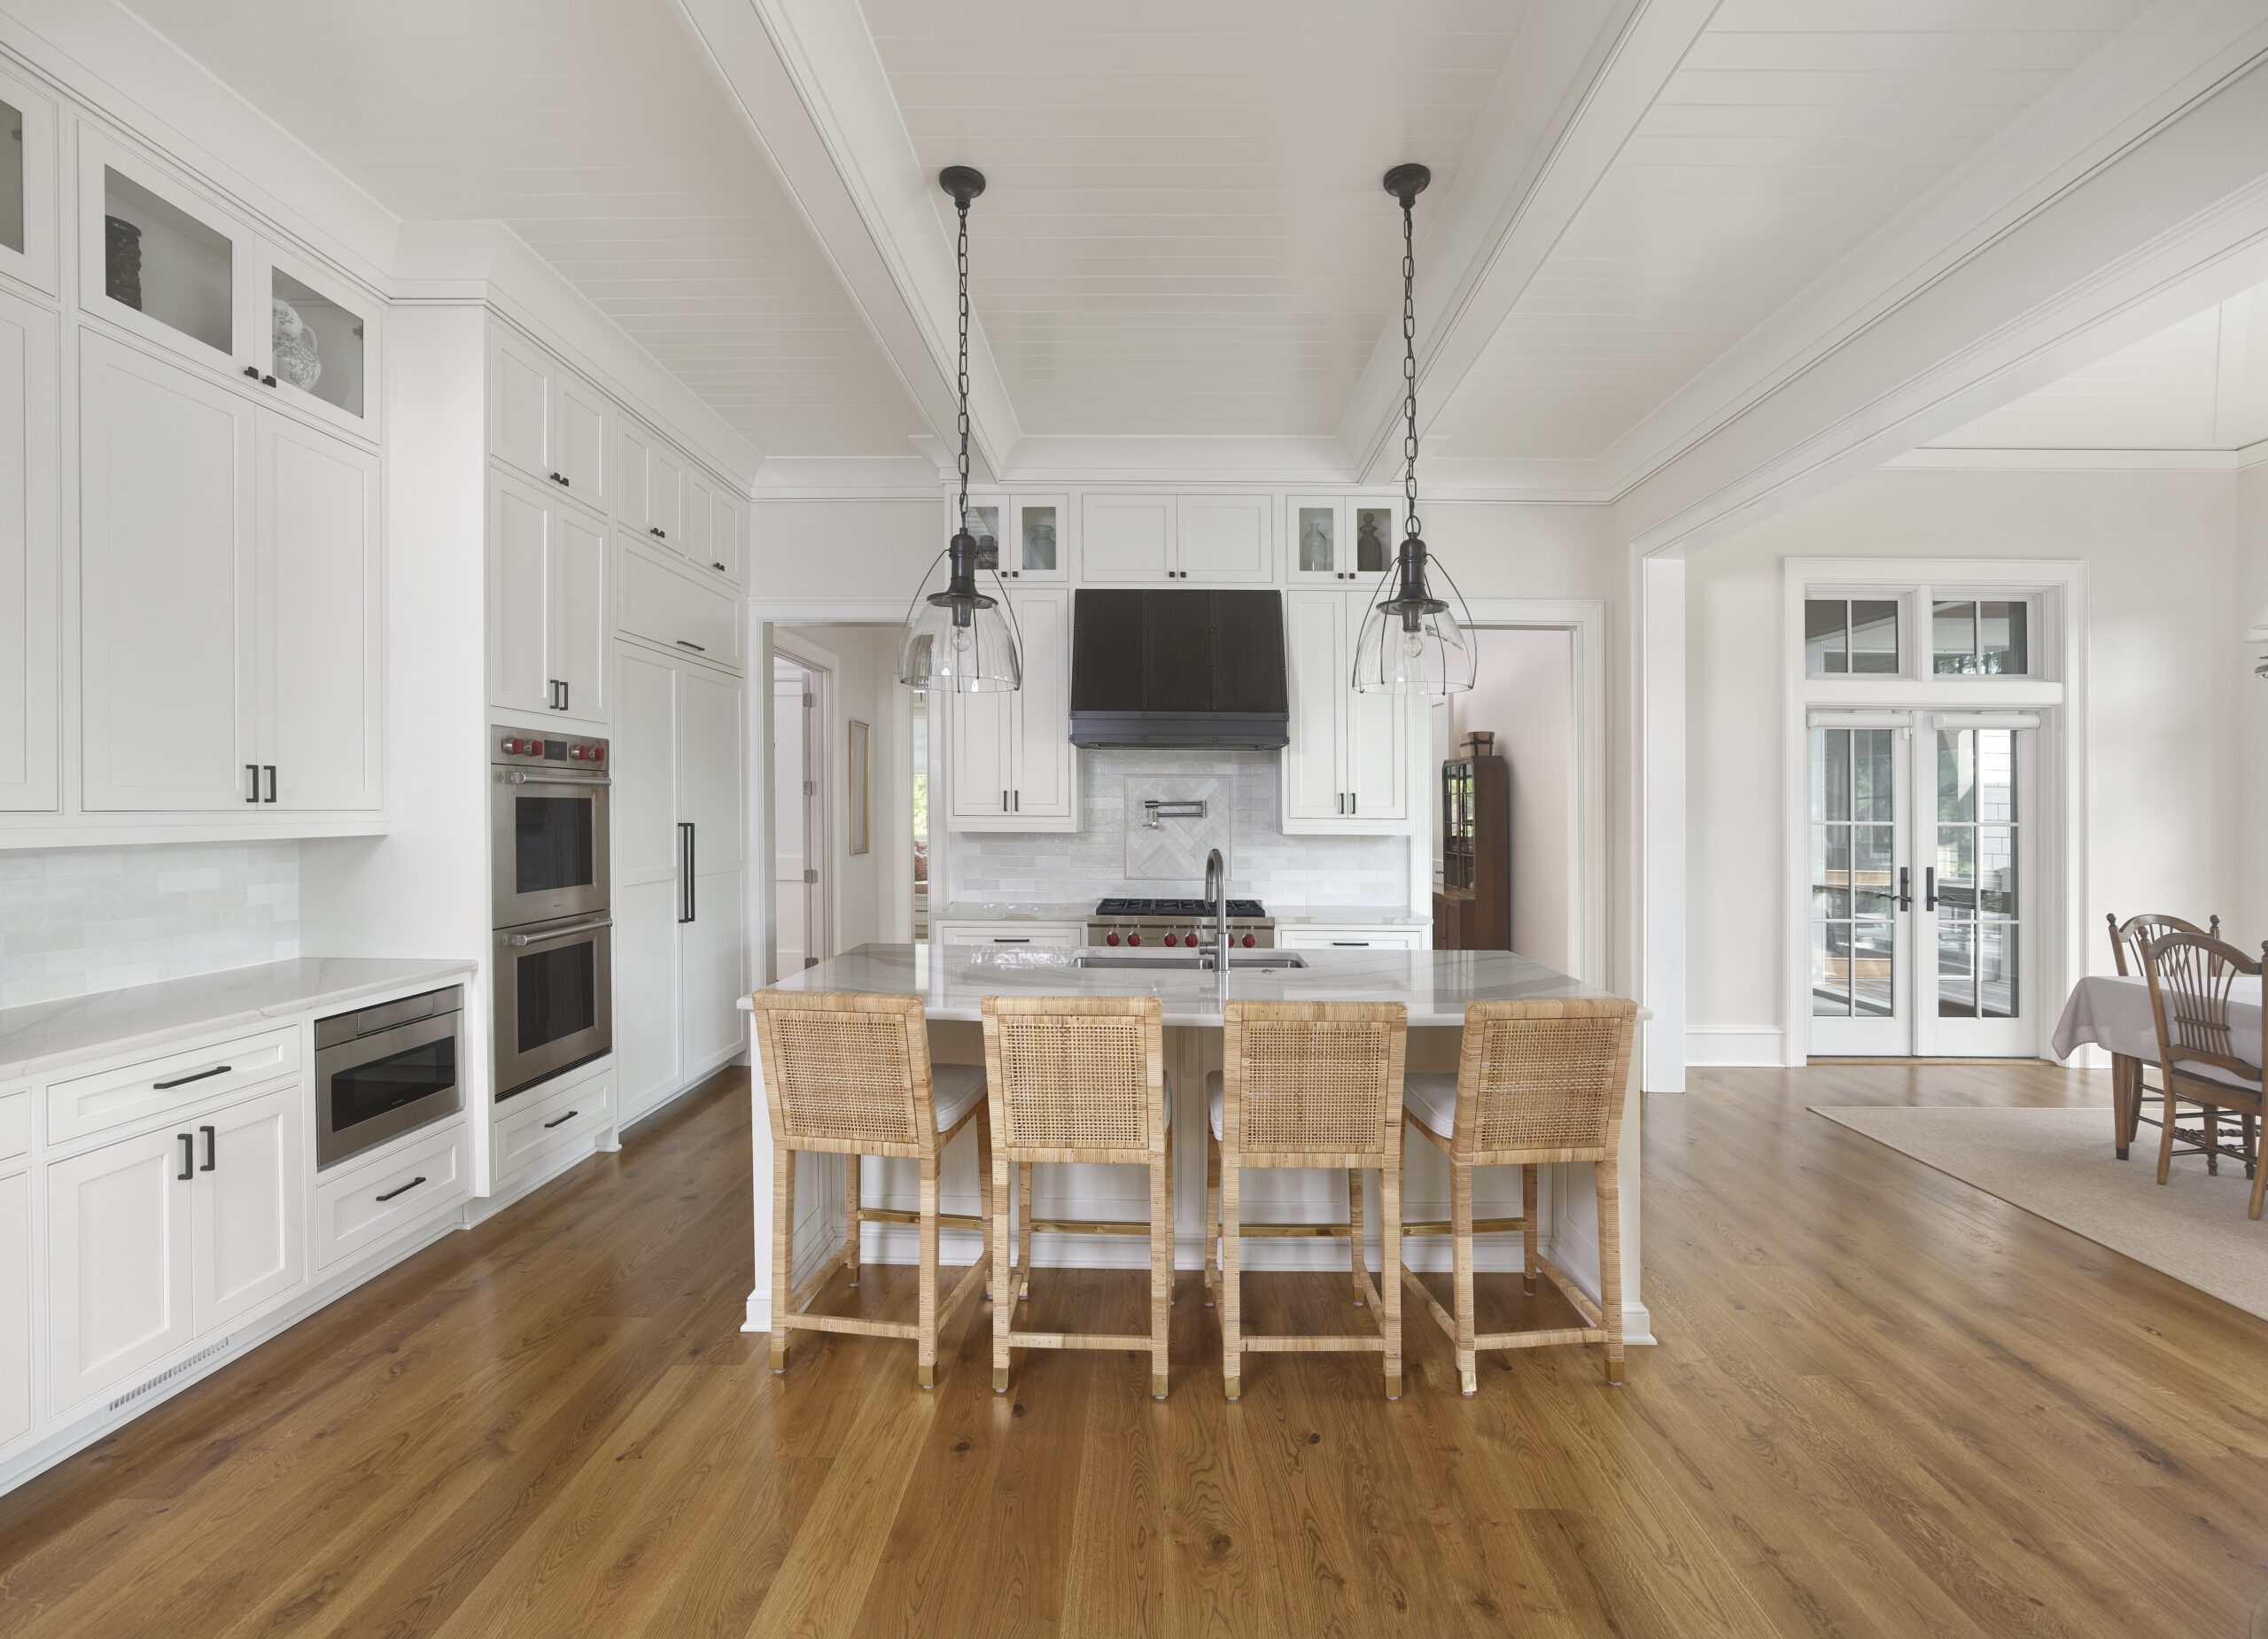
1965,458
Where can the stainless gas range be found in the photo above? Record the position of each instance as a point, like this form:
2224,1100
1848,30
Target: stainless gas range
1179,924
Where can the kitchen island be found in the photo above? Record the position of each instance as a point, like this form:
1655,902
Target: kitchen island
1434,986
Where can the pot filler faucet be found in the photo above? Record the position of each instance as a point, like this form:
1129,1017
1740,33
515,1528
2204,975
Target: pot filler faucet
1216,895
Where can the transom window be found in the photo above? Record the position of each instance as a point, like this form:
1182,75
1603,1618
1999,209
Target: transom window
1843,636
1911,632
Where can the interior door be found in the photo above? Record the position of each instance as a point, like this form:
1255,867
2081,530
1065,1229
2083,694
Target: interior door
167,583
117,1263
319,617
792,842
247,1225
1863,939
519,595
1975,911
649,891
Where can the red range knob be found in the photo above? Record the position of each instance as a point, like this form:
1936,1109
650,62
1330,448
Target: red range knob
1248,941
511,747
1173,939
1112,939
598,754
1133,938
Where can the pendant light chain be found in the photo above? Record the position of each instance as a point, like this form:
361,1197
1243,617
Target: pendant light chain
1409,363
962,253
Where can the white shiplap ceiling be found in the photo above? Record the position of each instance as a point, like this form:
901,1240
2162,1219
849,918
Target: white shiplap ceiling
1184,231
1792,131
592,129
2201,384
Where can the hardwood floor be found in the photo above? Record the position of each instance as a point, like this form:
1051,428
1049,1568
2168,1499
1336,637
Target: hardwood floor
1885,1403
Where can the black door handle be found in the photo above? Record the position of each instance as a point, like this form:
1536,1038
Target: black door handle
1929,888
188,1158
270,767
1905,895
404,1190
209,1157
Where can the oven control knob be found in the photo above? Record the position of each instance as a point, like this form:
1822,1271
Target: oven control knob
1133,938
1173,939
1111,939
575,752
598,754
1248,941
511,748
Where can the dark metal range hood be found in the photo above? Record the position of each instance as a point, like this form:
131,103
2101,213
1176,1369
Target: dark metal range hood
1186,667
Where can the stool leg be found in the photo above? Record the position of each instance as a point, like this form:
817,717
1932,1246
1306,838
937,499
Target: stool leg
1003,1238
1355,1230
1231,1315
783,1221
851,1216
1468,1374
1023,1232
1528,1234
1212,1218
1390,1270
925,1342
1160,1270
1610,1265
985,1191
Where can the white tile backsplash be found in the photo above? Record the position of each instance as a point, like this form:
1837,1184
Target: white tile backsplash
77,919
1112,853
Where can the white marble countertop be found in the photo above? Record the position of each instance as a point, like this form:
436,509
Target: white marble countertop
953,981
44,1034
1083,910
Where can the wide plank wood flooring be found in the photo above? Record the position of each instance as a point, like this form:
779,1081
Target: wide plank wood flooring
1884,1403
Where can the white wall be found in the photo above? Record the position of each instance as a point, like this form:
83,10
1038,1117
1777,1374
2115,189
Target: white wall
2250,752
2162,687
1525,694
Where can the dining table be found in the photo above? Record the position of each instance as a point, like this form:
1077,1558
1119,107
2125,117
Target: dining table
2112,1011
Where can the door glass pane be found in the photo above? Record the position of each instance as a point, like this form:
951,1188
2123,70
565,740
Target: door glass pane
1952,638
1038,538
1979,918
1872,960
553,843
1373,539
318,343
159,260
2001,639
984,523
1854,866
1874,636
1318,527
1827,639
11,176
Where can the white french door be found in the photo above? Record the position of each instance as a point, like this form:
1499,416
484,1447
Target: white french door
1923,883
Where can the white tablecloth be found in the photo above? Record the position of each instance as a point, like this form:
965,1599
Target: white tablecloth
2114,1012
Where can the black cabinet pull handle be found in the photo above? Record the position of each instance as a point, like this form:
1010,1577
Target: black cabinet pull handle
565,482
696,648
652,531
184,1081
563,1121
209,1157
270,767
685,870
404,1190
252,769
719,567
252,370
691,872
188,1159
566,694
268,381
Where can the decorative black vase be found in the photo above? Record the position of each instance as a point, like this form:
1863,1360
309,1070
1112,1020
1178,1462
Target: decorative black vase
122,261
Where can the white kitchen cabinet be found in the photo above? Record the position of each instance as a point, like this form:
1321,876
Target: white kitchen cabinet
1226,539
693,541
1386,938
679,870
1013,766
15,1305
29,232
652,502
248,1217
1346,769
1126,538
120,1279
546,420
548,611
1338,538
727,529
30,553
1037,543
1045,936
320,622
167,585
664,604
355,1207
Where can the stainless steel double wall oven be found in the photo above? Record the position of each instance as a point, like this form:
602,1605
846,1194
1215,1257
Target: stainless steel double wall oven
554,980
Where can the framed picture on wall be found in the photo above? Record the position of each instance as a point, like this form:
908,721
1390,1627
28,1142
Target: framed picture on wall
862,815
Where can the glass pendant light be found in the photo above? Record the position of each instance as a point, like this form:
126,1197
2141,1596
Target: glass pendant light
961,638
1413,641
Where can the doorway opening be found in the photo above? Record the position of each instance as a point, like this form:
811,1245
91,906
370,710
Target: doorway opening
799,851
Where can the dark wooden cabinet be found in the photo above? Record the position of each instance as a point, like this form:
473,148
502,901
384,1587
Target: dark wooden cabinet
1472,910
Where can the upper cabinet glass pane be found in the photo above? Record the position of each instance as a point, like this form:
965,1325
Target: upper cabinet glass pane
984,523
319,345
11,177
159,260
1318,531
1039,537
1373,539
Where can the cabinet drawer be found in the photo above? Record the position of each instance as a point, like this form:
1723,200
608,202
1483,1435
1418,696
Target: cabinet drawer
362,1207
664,606
15,1124
528,1129
1357,938
1053,935
131,1091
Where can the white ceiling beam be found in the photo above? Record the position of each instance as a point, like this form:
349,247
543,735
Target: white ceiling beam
806,78
1580,77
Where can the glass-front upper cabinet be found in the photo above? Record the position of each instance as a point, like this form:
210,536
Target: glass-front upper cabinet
1340,538
28,191
1038,545
160,259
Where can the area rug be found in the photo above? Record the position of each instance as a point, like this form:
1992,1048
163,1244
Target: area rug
2057,1164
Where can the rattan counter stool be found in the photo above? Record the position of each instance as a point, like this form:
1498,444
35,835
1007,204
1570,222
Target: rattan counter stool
1536,1081
1078,1078
1307,1084
850,1075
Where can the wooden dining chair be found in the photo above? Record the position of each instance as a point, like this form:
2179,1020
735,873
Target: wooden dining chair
1307,1084
1536,1081
2130,1087
2191,977
1079,1078
850,1075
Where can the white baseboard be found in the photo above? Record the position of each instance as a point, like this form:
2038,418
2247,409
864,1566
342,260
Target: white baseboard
693,1081
1729,1045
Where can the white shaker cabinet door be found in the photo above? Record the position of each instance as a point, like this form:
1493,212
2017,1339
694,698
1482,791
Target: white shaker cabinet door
520,404
1127,537
582,614
1045,785
520,597
710,786
15,1306
579,418
1226,539
649,892
1377,757
983,740
118,1263
1315,628
167,585
319,619
248,1230
714,939
30,557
